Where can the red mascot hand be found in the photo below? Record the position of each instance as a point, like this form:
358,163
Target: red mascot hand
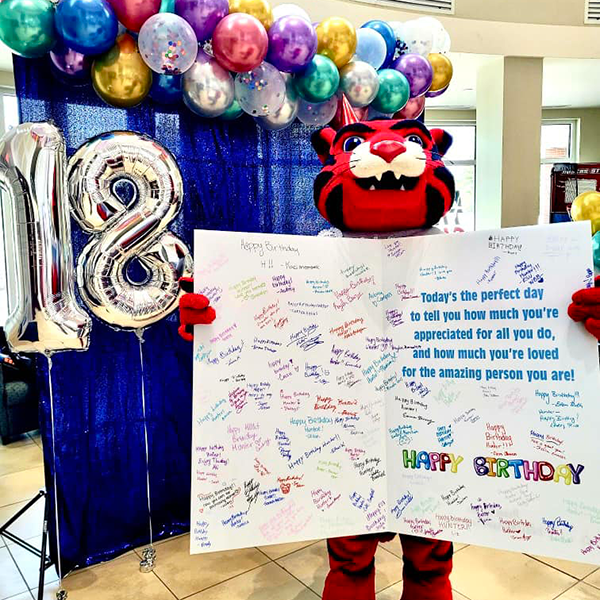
586,308
194,309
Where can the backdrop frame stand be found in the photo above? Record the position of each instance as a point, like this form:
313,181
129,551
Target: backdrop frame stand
45,561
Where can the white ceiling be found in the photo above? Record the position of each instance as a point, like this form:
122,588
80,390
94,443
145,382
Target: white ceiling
573,83
568,83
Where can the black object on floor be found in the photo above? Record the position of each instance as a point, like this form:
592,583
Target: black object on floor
45,561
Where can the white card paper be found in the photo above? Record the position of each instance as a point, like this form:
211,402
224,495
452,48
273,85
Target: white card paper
433,386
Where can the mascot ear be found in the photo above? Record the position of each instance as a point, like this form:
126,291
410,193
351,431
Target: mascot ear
321,141
442,139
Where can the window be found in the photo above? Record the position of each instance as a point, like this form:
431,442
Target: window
460,159
559,145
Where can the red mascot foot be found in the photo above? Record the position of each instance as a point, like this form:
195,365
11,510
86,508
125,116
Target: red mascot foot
194,309
586,308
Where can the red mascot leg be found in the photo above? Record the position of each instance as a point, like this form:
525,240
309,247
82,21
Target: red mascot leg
352,568
427,567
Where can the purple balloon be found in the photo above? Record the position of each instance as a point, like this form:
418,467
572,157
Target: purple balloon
292,44
69,65
417,70
435,94
202,15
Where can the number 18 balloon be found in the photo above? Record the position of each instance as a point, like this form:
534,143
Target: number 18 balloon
43,314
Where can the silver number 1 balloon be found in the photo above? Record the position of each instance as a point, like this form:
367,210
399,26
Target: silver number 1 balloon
43,314
126,188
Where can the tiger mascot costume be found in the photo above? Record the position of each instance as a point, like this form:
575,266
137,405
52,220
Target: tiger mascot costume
383,178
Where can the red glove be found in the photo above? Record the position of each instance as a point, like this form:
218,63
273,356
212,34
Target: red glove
586,308
194,309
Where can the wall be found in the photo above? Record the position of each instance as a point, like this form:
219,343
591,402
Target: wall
589,130
589,133
492,35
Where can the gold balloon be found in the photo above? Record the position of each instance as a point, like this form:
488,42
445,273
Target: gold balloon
337,40
120,76
442,71
260,9
586,207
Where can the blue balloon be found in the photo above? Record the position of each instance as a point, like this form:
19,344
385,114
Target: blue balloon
371,47
387,33
166,89
87,26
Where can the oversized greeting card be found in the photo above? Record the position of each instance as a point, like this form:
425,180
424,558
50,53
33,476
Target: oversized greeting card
430,385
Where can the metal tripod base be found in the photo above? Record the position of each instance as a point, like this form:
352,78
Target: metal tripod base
45,561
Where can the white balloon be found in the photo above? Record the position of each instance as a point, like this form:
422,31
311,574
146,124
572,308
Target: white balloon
285,10
418,37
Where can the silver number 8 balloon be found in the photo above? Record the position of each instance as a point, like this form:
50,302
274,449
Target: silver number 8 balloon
125,188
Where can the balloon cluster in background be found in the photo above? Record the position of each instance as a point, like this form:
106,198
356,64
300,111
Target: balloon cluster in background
224,58
586,207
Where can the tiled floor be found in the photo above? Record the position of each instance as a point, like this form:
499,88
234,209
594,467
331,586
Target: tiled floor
283,572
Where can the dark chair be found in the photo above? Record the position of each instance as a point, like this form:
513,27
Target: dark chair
18,394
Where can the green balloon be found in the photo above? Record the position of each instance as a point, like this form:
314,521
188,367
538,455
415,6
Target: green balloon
233,112
596,249
319,81
27,26
394,91
167,6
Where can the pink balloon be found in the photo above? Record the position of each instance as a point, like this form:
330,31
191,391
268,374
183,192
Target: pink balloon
134,13
413,109
240,42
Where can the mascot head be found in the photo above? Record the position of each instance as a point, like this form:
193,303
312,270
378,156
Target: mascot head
382,175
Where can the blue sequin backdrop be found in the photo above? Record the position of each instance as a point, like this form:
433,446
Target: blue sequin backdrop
237,177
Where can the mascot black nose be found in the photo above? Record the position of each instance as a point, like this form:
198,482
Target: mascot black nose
388,149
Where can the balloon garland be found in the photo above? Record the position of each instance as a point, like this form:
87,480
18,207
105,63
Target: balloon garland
224,58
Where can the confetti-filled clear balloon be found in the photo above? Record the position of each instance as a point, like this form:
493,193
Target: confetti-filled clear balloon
284,116
207,87
418,37
168,44
289,10
370,47
261,91
360,83
317,114
438,32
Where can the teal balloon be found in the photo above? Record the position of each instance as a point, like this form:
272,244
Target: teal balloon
233,112
394,91
596,249
27,26
167,6
319,81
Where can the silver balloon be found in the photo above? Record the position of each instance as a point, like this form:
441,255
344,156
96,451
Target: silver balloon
360,83
43,313
207,87
126,188
284,116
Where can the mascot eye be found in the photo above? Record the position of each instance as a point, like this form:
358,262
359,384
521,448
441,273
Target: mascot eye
352,142
416,139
